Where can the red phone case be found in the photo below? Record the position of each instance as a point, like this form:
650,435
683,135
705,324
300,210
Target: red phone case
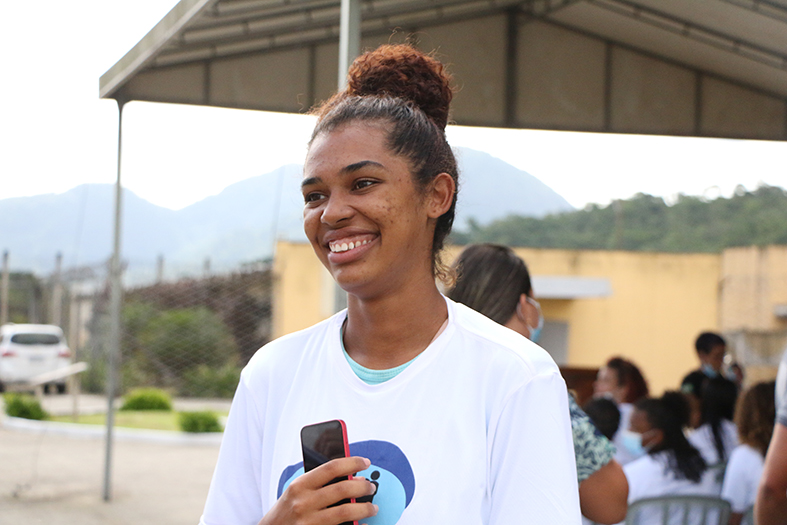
346,444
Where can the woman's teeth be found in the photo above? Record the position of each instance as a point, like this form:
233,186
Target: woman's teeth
345,246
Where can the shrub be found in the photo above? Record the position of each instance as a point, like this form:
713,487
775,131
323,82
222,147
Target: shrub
21,405
147,399
199,422
204,381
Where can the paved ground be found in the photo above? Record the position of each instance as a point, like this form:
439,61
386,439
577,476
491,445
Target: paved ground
50,478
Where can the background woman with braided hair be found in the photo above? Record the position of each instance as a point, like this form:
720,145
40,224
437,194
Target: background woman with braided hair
717,435
451,417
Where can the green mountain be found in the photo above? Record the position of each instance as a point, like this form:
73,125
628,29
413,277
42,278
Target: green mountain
648,223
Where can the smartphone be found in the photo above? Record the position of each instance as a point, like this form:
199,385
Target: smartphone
323,442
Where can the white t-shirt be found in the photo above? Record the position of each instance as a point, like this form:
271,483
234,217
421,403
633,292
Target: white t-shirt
702,439
742,478
650,477
475,431
781,391
622,455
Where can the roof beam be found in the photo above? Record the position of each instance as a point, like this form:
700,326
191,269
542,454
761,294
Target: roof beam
694,31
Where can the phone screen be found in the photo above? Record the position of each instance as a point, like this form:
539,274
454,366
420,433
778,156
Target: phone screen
323,442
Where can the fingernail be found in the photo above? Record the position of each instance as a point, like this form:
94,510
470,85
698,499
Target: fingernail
372,488
366,462
376,508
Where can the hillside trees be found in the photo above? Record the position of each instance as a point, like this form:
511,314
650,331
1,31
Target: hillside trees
648,223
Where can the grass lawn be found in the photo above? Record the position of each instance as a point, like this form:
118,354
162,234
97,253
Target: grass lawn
148,419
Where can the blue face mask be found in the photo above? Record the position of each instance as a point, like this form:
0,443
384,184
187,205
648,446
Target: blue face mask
632,442
709,371
535,331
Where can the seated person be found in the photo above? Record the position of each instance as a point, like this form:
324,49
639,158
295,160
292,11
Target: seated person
604,414
668,464
755,418
621,381
717,435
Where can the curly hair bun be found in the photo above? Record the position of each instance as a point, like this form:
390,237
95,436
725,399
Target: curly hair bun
402,71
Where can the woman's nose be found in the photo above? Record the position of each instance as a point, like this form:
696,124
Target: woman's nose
336,210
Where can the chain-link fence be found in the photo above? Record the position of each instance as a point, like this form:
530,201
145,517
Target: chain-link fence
190,335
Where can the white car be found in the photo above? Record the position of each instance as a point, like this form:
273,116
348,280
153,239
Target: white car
27,350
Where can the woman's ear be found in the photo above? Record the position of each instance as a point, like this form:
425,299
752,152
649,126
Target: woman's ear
656,438
441,195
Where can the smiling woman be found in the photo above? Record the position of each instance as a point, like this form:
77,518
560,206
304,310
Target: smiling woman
451,418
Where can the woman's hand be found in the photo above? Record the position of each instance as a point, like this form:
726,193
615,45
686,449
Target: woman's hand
306,500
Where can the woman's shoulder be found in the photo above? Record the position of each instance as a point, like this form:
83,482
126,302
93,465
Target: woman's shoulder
290,348
701,435
745,453
499,343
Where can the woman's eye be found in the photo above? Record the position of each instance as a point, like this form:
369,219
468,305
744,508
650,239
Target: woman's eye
363,183
313,197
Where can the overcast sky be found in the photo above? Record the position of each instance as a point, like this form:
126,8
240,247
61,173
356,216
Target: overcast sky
57,134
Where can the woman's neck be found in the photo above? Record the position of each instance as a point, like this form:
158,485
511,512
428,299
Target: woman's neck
385,332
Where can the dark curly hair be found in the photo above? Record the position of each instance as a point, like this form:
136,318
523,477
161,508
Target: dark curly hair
629,375
755,416
411,92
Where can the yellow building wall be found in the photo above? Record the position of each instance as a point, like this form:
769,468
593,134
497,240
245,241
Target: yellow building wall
659,303
753,285
754,282
302,290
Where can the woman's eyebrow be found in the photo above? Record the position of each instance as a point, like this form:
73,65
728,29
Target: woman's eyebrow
347,169
362,164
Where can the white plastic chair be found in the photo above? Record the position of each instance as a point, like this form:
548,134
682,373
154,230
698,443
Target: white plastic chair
679,510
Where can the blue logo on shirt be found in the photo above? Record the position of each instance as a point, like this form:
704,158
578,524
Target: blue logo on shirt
390,472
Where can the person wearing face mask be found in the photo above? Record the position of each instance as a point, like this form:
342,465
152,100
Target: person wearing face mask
621,381
711,349
668,464
492,280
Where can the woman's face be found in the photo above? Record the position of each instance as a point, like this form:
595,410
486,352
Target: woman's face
366,220
606,385
651,437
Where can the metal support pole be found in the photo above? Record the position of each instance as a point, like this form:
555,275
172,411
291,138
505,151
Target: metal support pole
160,269
57,291
4,284
115,304
349,37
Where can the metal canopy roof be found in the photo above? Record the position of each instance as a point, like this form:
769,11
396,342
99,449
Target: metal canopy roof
680,67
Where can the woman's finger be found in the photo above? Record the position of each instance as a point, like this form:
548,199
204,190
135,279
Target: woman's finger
342,491
336,468
348,512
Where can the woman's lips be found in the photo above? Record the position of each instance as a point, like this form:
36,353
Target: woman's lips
349,248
